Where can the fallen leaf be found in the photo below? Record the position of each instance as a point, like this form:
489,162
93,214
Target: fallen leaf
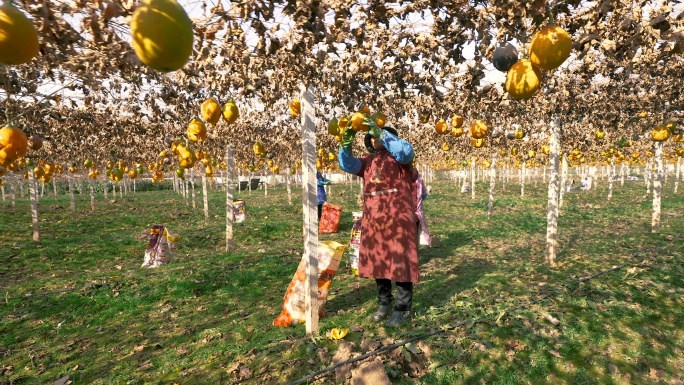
555,353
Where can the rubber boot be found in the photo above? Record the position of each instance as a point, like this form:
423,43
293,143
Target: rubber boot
399,318
382,312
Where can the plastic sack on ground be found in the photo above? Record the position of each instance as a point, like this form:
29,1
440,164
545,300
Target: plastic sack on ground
294,308
239,211
161,247
352,251
330,218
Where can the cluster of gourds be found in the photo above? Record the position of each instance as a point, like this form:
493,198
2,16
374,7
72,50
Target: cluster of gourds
478,131
326,160
356,122
549,48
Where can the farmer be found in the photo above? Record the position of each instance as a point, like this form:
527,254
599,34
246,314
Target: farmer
322,198
389,242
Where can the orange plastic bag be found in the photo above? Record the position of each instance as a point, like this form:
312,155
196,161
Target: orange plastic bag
294,309
330,218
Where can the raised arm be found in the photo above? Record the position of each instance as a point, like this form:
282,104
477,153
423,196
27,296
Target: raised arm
400,149
347,161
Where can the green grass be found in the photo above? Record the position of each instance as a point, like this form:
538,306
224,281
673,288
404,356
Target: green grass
80,305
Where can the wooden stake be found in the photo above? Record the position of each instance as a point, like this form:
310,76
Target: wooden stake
205,199
104,187
54,187
33,192
492,181
229,198
310,213
552,207
657,187
3,193
72,205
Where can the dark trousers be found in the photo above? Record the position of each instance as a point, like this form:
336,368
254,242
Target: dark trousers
320,211
404,294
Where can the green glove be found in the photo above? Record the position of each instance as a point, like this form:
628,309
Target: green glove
348,138
374,130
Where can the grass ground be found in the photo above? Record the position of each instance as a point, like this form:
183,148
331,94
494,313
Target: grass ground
79,305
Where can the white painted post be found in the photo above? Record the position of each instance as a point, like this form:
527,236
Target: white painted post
492,181
33,192
54,187
622,174
92,197
563,181
472,177
289,189
249,185
677,173
611,169
552,207
648,174
14,196
229,198
42,189
522,179
310,210
72,205
657,187
192,182
205,199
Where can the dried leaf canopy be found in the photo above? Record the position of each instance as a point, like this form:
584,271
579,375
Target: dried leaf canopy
413,60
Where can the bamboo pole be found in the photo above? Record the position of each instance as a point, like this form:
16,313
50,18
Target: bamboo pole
552,207
492,181
657,187
33,192
309,201
229,198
